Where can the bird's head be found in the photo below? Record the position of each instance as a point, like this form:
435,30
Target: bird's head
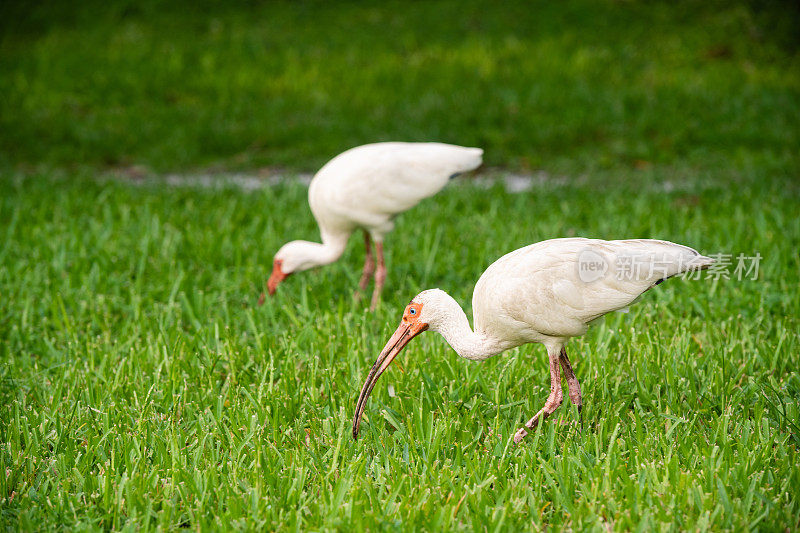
293,257
427,310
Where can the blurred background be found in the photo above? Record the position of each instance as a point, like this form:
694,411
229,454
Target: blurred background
569,87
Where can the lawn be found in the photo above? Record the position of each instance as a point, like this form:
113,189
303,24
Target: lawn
142,387
569,87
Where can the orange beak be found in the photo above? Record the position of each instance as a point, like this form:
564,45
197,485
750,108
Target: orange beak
277,276
406,331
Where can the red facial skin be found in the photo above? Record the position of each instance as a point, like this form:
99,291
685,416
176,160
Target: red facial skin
277,276
410,326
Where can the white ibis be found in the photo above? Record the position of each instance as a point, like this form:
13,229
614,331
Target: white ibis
366,187
543,293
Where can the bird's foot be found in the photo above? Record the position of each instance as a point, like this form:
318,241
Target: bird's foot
363,283
262,299
530,424
376,298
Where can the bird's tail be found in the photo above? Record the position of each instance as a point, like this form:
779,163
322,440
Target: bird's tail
469,159
696,263
699,262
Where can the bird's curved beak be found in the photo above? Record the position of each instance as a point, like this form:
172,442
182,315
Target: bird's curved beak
276,277
406,331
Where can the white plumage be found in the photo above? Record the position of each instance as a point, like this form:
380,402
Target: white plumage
366,187
537,293
543,293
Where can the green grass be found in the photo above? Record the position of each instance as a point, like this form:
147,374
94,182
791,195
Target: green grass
141,388
566,87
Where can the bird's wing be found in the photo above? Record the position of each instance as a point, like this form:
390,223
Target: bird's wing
557,287
374,182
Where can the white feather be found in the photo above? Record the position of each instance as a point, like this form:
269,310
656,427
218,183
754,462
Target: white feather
369,185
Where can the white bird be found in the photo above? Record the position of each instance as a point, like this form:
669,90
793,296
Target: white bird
543,293
366,187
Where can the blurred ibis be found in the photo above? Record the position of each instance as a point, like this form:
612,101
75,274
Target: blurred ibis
366,187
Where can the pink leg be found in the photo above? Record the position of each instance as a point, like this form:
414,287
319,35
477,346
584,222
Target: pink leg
369,266
553,401
572,383
380,276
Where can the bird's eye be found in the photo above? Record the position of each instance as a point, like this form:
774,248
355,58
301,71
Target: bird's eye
412,311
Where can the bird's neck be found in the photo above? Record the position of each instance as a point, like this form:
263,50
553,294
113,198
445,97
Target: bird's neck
319,254
467,343
333,245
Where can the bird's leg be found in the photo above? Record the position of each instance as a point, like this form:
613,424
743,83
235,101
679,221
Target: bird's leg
572,383
380,276
553,401
369,266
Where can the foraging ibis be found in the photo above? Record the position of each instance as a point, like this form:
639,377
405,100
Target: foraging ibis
366,187
543,293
